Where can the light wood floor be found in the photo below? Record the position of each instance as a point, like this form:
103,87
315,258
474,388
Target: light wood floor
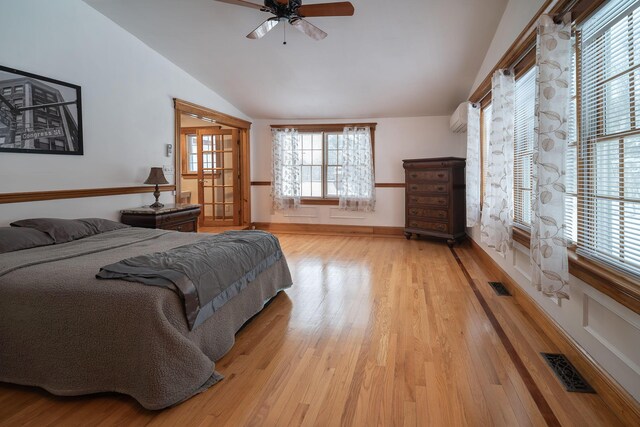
375,331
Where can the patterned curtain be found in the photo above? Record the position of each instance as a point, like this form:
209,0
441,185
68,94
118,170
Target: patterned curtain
473,165
497,210
548,244
285,173
356,189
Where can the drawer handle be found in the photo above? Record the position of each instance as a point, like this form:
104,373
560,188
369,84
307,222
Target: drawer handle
440,175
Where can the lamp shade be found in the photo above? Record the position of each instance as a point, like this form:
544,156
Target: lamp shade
156,176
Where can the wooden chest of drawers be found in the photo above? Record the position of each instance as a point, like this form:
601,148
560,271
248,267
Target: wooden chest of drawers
435,198
179,217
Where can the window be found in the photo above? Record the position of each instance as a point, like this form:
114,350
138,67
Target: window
6,91
192,153
609,157
321,154
321,160
524,122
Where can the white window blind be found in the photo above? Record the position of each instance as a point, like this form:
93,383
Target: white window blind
486,133
571,178
524,123
609,174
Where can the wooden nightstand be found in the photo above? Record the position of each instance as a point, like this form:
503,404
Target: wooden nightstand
179,217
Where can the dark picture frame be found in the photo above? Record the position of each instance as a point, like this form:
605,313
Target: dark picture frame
39,115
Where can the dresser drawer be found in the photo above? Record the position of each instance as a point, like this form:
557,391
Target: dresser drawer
185,227
428,225
428,213
439,175
175,218
428,201
427,188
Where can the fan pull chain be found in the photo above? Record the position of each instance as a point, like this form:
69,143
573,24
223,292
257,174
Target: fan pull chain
284,27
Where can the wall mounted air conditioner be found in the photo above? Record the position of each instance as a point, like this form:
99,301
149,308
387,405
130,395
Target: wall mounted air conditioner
458,120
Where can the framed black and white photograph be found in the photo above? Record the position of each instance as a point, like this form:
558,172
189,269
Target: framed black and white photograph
38,114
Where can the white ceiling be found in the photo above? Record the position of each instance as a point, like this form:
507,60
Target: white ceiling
391,59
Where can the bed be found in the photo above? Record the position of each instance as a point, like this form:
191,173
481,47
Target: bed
70,333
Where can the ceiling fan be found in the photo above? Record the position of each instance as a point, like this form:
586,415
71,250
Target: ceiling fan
294,12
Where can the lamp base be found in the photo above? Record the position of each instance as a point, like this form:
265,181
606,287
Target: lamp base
156,194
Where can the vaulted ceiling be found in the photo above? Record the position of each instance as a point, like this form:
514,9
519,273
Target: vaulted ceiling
391,59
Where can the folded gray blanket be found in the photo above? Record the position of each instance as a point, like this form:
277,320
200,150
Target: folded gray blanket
205,274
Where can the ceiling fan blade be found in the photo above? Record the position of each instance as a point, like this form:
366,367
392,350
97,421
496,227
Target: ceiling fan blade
243,3
343,8
308,28
263,29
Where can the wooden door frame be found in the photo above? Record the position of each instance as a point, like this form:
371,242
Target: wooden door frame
243,126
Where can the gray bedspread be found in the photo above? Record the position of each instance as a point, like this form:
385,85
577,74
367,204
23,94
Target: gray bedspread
66,331
206,274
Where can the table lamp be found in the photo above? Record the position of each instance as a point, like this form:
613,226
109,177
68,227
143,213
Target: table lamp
156,176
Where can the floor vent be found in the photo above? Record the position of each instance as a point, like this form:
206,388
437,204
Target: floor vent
499,289
567,373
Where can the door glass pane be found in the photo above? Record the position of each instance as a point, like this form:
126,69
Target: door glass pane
228,177
228,140
219,209
219,193
208,211
208,196
206,143
207,162
228,194
228,160
228,210
218,143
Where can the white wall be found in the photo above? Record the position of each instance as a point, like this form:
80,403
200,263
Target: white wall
516,16
395,139
608,331
127,109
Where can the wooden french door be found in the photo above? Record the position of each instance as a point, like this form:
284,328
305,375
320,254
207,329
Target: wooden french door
218,176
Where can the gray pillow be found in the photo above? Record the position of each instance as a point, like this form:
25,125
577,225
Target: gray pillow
101,225
16,239
60,230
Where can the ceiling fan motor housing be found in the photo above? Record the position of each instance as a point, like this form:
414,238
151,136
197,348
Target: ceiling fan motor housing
286,10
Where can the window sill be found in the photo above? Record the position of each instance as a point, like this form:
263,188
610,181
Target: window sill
320,202
521,236
621,287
